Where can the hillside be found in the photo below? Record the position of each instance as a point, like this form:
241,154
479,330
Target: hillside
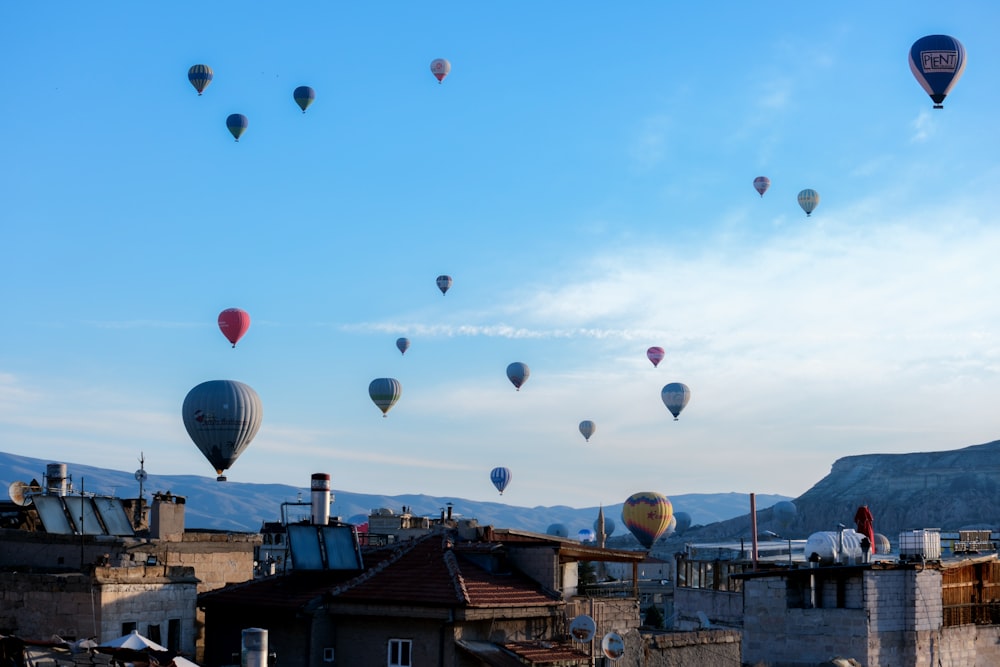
243,507
950,490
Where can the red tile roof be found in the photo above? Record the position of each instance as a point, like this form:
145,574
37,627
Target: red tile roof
432,572
425,571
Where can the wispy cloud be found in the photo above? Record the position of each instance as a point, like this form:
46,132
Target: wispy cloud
923,127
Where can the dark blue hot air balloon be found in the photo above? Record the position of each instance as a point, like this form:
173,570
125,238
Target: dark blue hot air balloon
517,373
937,62
237,124
222,417
200,76
304,96
384,393
402,344
444,283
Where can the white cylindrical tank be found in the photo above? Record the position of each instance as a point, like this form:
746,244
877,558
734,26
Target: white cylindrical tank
835,546
320,499
55,479
254,653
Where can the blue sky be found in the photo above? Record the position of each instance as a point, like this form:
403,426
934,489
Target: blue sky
584,174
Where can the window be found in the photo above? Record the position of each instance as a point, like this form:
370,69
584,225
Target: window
328,655
128,627
399,652
153,633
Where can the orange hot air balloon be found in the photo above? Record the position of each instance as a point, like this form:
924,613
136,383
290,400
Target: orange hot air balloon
234,322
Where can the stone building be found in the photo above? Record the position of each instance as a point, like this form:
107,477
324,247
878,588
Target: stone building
81,566
459,598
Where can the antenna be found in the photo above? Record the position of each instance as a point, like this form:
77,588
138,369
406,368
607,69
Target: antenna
19,492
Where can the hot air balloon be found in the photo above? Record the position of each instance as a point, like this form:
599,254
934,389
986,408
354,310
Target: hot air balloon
222,417
609,526
784,511
384,393
683,522
444,283
585,535
500,478
587,428
671,527
237,124
234,322
647,514
200,76
403,344
304,96
675,396
937,62
655,354
518,374
440,68
808,200
761,184
557,530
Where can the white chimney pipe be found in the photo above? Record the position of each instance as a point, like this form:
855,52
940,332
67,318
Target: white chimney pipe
320,499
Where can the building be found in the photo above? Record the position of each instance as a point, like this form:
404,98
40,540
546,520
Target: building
81,566
471,597
910,609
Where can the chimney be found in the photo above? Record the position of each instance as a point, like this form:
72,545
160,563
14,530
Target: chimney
55,479
320,499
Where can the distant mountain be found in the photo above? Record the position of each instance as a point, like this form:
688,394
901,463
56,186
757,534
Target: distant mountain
243,507
951,490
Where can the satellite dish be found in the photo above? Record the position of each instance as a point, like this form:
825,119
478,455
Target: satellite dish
19,493
140,475
613,646
582,628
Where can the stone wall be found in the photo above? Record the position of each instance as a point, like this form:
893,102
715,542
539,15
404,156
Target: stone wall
704,648
77,606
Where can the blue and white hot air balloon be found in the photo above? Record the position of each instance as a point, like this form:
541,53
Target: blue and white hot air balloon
675,396
937,63
808,200
500,477
587,428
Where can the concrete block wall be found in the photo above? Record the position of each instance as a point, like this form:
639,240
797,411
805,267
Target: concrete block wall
777,635
723,608
541,564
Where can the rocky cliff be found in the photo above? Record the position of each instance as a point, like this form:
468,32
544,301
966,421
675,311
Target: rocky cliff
950,490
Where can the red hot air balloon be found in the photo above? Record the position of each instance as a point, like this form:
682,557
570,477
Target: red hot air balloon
234,322
655,355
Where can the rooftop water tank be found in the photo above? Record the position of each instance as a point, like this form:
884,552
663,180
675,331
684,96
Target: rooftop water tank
834,546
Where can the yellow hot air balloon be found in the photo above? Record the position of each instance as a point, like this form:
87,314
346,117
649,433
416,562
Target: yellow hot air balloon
647,514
